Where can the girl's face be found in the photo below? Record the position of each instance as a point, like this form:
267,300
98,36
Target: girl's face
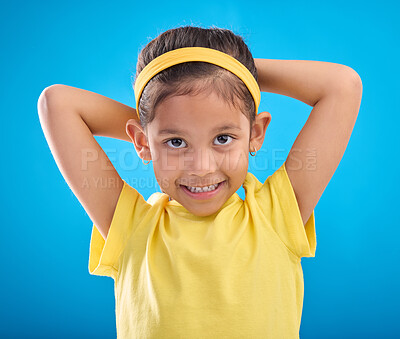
199,141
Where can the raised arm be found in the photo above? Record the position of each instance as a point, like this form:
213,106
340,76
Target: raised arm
70,117
335,92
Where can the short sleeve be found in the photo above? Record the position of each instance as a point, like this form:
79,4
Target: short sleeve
104,254
282,208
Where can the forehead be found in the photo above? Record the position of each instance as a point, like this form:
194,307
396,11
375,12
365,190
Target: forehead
205,110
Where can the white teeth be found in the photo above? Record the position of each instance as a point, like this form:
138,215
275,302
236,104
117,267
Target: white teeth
202,189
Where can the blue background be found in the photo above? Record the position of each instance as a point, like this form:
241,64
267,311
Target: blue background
351,286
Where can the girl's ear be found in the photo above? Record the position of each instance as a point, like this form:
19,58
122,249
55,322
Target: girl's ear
258,130
138,136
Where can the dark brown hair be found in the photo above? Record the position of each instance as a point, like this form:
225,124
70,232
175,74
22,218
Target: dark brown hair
196,76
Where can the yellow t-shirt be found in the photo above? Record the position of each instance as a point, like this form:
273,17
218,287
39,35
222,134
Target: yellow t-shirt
235,274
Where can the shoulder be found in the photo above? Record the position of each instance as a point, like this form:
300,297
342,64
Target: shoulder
157,197
251,181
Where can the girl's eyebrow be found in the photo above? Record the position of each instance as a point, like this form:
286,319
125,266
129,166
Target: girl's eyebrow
216,129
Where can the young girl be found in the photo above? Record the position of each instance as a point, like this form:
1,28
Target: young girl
196,261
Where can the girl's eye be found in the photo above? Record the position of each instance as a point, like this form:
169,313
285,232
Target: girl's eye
174,142
223,139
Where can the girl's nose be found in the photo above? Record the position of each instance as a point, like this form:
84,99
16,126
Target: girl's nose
201,162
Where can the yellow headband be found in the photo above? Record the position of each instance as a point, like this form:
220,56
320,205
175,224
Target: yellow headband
187,54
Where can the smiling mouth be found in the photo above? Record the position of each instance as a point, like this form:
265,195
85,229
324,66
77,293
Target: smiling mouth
202,189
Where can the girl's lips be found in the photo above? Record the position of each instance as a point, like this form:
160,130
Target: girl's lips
204,195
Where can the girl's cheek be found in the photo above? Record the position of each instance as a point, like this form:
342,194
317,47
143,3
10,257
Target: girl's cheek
164,183
237,161
170,164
